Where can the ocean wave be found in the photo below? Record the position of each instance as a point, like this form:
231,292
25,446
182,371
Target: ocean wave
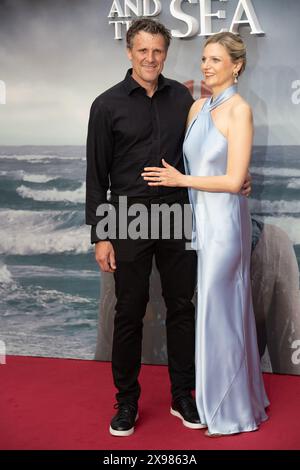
32,178
28,271
13,175
33,232
5,275
280,172
274,207
280,185
294,183
28,177
49,300
38,158
30,343
53,195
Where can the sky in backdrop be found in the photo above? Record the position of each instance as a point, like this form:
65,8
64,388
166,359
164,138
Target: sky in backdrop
56,56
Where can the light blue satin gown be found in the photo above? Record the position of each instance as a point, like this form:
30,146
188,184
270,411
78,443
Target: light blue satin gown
230,393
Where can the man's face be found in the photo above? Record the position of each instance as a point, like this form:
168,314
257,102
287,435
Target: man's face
147,55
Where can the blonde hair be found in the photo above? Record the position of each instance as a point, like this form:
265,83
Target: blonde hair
233,44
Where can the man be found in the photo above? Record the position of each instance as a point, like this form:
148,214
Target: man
132,125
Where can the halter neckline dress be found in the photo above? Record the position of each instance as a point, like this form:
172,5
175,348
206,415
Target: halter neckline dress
230,393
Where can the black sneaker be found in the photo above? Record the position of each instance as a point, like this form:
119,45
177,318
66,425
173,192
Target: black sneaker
185,409
122,423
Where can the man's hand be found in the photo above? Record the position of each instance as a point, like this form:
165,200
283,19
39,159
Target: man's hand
246,188
105,256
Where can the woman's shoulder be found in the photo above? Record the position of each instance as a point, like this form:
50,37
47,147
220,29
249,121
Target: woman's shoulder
239,103
195,109
240,107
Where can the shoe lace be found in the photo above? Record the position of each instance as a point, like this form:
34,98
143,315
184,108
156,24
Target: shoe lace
125,409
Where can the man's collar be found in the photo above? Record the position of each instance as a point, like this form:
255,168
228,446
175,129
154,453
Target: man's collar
132,85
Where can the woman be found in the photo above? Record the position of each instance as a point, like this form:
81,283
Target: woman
230,393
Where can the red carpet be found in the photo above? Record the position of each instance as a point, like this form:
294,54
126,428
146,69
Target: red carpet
67,404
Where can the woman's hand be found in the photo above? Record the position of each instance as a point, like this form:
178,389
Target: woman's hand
167,176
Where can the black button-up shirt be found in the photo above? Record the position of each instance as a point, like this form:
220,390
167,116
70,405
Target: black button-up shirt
129,131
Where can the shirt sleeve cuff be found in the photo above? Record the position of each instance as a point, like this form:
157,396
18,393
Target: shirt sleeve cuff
94,236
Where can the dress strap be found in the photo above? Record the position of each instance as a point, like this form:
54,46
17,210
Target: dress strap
223,96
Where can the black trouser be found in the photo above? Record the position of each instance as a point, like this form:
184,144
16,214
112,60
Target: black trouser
177,267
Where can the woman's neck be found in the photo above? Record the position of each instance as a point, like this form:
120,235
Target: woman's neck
216,91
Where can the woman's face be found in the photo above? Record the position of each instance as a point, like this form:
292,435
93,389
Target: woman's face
217,66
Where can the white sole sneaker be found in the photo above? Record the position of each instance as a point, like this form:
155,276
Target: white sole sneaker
185,423
128,432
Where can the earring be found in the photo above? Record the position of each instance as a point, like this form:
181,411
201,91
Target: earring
235,74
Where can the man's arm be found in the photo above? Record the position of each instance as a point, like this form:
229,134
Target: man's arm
246,188
99,159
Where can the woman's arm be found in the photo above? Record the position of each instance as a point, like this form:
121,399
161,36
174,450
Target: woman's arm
240,134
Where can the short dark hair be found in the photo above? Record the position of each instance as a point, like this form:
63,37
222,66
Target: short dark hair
149,26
